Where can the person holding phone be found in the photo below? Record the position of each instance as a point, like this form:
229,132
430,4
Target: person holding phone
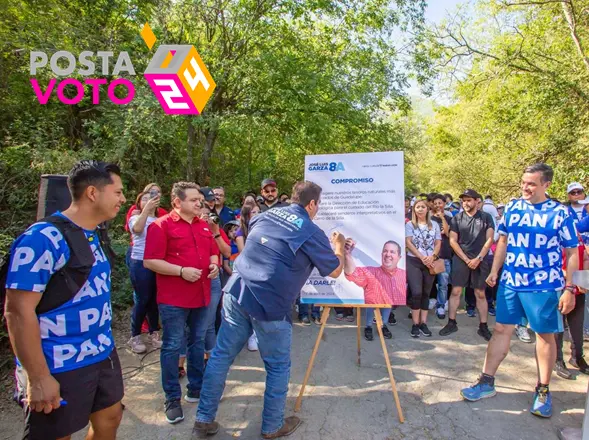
142,279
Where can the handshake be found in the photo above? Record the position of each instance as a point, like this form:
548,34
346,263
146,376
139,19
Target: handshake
339,240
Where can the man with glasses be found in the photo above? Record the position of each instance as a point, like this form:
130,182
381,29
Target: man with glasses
270,195
224,213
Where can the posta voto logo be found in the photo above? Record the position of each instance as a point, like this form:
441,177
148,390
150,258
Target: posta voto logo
176,74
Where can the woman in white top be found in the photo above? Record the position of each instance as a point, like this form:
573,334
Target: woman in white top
423,240
143,279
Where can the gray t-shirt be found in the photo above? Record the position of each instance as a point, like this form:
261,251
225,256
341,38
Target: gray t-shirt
423,238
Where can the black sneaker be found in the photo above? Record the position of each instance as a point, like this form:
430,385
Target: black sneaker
392,319
368,334
485,333
415,331
305,320
386,332
192,396
580,364
449,328
561,370
174,413
424,330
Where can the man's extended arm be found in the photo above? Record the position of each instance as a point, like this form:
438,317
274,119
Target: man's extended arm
340,242
498,260
25,337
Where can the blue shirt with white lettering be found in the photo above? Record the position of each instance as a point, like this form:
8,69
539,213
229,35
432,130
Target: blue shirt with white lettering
282,248
78,333
536,236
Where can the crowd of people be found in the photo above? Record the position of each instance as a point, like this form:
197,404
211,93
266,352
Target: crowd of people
215,280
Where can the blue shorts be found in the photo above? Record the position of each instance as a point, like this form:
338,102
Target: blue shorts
539,309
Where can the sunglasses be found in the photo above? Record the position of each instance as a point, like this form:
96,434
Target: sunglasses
273,190
576,192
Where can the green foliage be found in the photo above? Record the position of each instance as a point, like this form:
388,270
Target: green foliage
293,77
520,96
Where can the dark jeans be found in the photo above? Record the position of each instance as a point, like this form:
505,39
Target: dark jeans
304,310
470,299
174,321
420,282
575,321
144,297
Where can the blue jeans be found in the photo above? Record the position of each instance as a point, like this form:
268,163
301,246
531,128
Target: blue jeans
274,340
443,280
304,311
211,336
370,315
144,297
174,321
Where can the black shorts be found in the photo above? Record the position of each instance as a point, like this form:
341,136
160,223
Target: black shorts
86,391
463,276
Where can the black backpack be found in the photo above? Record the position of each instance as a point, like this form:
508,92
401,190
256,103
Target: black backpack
66,282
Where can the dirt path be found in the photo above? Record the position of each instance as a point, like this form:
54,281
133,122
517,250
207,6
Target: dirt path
349,402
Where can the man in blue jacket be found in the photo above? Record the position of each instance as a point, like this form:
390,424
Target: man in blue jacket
282,248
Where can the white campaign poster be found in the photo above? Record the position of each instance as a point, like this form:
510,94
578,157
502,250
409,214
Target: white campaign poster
363,198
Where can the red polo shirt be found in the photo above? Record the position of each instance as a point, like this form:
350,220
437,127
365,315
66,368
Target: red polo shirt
176,241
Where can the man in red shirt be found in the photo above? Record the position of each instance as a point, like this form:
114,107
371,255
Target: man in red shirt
182,252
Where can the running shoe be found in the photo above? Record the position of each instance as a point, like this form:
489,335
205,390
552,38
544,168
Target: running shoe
523,334
542,403
478,391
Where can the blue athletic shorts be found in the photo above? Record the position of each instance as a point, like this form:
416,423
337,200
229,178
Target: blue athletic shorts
539,309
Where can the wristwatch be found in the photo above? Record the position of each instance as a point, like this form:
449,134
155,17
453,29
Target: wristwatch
480,257
570,288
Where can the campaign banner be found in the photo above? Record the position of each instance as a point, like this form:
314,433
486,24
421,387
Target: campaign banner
363,198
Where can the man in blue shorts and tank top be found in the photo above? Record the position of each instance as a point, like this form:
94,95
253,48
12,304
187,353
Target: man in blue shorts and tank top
533,233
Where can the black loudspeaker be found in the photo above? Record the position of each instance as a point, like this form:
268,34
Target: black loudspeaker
54,195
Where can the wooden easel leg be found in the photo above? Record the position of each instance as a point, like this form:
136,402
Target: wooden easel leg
324,317
388,362
359,319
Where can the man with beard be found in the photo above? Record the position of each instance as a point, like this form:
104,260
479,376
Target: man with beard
471,237
532,288
384,284
270,195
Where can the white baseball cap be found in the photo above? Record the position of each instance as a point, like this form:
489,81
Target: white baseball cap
573,186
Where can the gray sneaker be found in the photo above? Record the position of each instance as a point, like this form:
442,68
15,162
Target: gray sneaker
203,430
174,413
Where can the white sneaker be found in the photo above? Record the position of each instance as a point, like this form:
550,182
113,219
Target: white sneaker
432,303
440,312
523,334
252,343
154,340
446,306
137,346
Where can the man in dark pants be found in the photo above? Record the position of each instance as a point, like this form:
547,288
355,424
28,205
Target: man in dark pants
471,237
282,248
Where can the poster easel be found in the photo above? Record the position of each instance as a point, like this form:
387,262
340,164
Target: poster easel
325,315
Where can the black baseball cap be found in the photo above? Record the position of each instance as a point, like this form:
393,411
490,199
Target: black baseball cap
470,193
208,193
267,182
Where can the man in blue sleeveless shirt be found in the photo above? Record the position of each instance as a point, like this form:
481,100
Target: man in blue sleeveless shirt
282,248
533,233
68,371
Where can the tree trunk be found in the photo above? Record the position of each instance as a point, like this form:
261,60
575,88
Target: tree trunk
191,135
569,15
210,139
